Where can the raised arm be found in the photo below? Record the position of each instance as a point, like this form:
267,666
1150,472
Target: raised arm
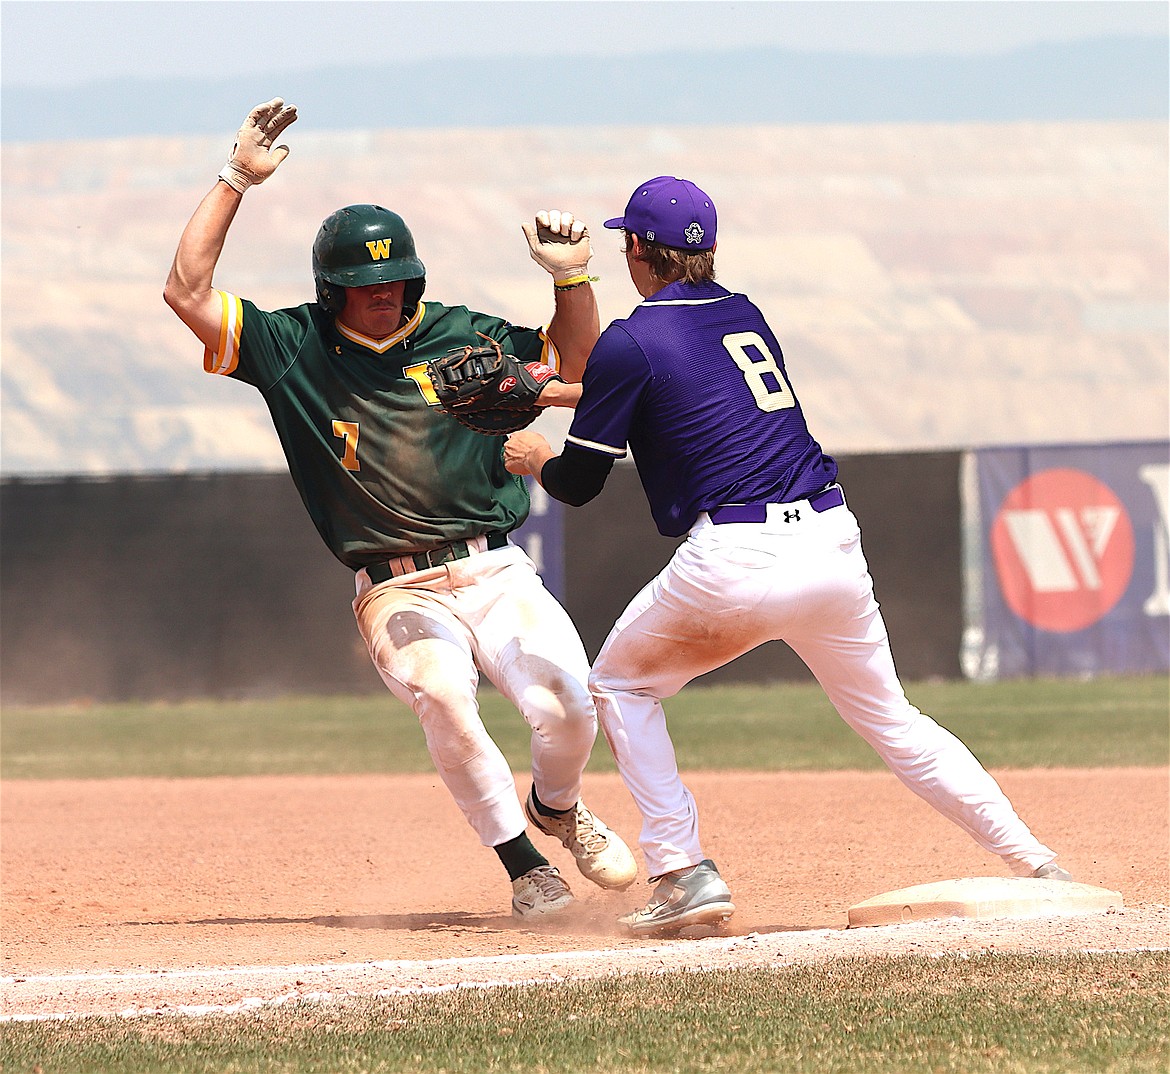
189,291
559,243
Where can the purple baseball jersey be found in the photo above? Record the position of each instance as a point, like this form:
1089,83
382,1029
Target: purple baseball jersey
733,434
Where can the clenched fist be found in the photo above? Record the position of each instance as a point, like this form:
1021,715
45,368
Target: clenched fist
559,244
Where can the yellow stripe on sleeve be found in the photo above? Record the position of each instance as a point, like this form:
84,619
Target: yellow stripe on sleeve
224,359
549,354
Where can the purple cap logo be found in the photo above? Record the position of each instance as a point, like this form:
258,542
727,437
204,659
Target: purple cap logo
672,212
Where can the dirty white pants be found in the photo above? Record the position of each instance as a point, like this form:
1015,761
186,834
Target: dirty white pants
430,634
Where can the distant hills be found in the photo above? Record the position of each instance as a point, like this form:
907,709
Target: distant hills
1106,78
933,285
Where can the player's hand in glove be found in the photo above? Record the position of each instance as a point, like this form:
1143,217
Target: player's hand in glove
559,244
487,390
254,158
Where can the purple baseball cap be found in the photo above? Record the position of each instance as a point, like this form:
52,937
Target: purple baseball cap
671,212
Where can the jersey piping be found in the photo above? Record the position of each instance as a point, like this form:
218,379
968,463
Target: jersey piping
684,301
593,445
381,346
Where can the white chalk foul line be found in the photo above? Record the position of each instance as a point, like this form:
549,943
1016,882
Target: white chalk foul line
708,946
251,1003
231,974
718,942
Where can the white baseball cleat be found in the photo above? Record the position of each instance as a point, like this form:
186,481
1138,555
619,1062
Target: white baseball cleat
540,892
1052,871
601,854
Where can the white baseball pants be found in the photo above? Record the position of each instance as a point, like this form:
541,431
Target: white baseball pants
430,634
730,588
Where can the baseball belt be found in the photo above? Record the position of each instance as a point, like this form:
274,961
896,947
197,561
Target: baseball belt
824,500
421,561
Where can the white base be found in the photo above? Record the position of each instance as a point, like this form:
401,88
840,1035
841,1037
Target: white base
983,898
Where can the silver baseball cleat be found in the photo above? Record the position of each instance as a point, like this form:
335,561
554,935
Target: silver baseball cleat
1052,871
693,896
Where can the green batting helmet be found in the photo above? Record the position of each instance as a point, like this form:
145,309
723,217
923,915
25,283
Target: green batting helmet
360,245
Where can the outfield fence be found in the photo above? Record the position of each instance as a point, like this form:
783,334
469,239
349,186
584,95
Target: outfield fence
177,586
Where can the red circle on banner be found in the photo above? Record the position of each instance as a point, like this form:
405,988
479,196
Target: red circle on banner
1062,543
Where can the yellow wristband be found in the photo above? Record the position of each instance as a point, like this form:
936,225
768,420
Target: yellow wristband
574,281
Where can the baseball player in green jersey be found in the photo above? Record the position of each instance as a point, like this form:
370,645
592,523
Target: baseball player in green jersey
417,505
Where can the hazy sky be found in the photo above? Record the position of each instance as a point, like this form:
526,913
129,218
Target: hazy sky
67,43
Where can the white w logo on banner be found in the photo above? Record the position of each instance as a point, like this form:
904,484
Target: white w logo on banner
1061,550
1063,547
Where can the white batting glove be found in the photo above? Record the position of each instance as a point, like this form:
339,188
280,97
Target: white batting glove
253,157
559,244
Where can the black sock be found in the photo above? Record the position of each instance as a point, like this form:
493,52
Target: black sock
544,810
519,856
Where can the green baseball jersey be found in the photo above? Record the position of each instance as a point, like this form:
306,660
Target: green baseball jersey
381,470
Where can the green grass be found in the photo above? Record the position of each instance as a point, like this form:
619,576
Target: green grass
984,1014
1018,724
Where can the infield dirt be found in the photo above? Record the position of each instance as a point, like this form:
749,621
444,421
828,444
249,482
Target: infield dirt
161,894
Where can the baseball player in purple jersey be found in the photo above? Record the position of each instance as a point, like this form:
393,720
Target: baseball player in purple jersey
695,383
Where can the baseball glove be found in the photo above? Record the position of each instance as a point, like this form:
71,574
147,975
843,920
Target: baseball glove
487,390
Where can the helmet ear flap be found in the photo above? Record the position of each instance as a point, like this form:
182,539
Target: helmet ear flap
330,297
412,294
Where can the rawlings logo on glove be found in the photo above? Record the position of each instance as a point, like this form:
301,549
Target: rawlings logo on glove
487,390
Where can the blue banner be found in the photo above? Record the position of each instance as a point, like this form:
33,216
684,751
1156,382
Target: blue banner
1068,564
542,537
